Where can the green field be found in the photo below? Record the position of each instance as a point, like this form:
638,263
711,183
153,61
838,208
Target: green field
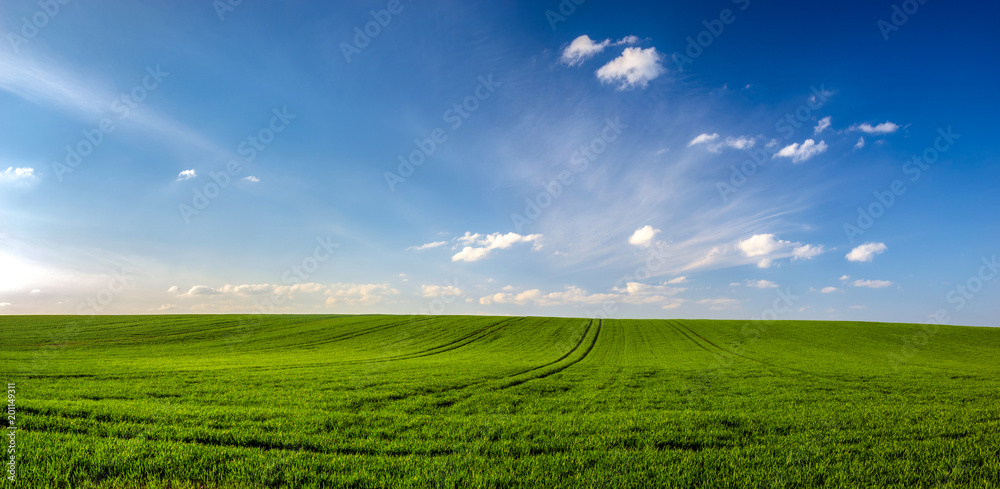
456,401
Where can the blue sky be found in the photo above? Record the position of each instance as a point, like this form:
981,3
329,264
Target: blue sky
542,158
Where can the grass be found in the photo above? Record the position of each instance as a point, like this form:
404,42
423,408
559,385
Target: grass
424,402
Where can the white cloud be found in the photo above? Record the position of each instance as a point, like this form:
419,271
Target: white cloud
761,284
845,278
432,291
201,290
581,49
471,254
426,246
806,252
469,238
336,294
720,303
872,284
491,242
883,128
20,174
636,67
761,244
860,144
802,152
637,289
703,138
866,252
822,125
678,280
741,143
251,179
571,296
357,294
829,290
643,236
186,175
632,293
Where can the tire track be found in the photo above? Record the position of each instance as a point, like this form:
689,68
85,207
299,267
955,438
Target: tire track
464,396
350,335
475,336
776,367
672,325
569,364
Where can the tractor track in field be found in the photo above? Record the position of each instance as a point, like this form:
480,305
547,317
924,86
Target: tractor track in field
468,339
532,369
776,367
593,342
423,353
351,335
310,447
475,335
699,345
468,395
675,324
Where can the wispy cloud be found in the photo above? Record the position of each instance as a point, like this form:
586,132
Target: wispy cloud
631,293
703,138
186,175
883,128
738,143
872,284
426,246
434,291
761,284
315,294
53,86
822,125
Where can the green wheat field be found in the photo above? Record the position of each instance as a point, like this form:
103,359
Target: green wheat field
469,401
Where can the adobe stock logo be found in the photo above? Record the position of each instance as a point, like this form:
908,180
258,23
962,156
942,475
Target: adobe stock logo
456,116
885,199
363,37
249,149
30,26
95,136
900,16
